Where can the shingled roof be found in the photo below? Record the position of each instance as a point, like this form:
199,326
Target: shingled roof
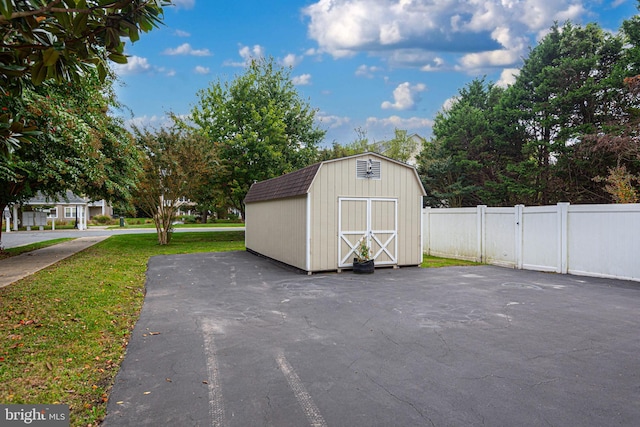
289,185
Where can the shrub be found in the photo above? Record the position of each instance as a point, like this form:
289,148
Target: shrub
102,219
187,219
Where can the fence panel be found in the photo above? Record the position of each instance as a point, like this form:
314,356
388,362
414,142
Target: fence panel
540,238
604,240
452,233
499,237
592,240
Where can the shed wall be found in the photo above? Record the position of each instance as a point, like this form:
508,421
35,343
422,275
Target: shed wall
338,179
277,229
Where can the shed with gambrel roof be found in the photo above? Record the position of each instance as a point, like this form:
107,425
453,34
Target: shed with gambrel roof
314,218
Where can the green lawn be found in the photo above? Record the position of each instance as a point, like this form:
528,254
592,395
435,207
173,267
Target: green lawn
64,330
429,261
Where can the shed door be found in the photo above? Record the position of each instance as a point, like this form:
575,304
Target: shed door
372,219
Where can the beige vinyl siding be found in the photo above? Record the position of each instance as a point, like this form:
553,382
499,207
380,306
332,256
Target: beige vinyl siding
277,229
337,179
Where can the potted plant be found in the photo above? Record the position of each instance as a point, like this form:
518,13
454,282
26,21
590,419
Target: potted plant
362,263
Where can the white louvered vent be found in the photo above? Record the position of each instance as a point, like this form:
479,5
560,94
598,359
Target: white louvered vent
367,169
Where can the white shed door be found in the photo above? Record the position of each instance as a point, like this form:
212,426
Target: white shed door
372,219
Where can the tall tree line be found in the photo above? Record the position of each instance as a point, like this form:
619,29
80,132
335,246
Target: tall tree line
566,130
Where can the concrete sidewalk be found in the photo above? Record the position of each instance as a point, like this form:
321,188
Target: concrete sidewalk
18,267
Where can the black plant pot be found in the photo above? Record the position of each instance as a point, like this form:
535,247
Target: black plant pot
365,267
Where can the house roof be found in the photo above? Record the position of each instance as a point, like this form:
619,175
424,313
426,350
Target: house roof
68,198
298,183
289,185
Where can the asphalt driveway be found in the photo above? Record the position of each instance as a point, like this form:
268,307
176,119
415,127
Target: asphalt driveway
230,339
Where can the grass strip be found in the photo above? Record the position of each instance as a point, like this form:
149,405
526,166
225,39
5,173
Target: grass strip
429,261
7,253
64,330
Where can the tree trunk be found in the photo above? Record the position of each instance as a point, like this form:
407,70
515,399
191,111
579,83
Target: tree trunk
163,220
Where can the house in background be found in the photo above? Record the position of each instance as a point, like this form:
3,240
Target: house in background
418,142
39,210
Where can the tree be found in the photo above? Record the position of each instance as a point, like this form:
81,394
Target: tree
175,164
567,88
259,128
465,156
62,40
401,147
359,145
616,144
80,147
568,118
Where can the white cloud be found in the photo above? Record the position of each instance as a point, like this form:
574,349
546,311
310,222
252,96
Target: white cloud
490,58
302,80
508,77
448,103
367,71
382,129
181,33
312,52
247,54
488,33
437,64
202,70
411,123
186,49
140,65
405,96
134,65
152,122
332,122
291,60
167,72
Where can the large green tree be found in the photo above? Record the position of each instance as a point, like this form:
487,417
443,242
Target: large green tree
566,130
466,155
80,148
259,127
567,88
61,40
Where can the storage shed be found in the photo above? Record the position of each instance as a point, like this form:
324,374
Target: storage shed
314,218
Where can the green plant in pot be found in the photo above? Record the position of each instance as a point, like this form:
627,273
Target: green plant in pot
362,263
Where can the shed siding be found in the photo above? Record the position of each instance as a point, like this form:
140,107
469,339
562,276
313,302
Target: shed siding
277,229
338,179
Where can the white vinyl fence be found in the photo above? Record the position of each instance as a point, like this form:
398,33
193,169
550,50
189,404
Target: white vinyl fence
589,240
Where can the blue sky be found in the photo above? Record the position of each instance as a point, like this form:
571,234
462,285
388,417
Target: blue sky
374,65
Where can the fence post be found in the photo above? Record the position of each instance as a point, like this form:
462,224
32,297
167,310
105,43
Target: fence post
563,232
481,227
518,217
15,218
425,231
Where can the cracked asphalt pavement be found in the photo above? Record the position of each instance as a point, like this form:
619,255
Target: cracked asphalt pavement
231,339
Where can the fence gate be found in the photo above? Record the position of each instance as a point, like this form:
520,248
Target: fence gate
372,219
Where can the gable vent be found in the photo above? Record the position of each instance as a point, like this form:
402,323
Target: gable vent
368,169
